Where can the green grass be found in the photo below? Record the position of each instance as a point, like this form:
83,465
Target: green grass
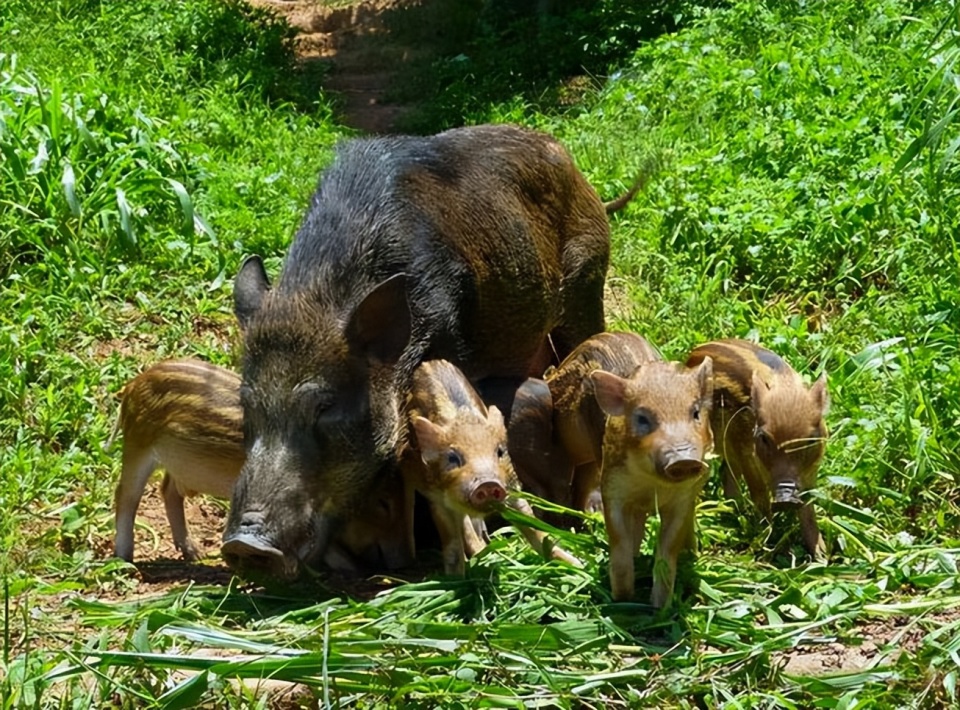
808,197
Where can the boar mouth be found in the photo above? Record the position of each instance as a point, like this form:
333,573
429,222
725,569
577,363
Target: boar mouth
252,554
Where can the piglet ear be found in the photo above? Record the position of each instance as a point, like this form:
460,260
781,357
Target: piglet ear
429,439
379,327
818,391
495,418
249,288
758,389
704,375
610,392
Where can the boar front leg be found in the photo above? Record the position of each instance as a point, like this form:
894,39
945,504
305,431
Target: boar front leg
173,503
538,539
625,530
731,486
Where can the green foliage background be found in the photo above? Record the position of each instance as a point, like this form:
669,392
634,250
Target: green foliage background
807,197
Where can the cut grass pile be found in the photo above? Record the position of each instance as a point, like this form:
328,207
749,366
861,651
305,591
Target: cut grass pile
808,197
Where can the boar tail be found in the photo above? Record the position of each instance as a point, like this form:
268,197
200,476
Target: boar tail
652,165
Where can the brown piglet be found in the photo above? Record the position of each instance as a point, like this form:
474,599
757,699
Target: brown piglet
185,416
458,459
556,425
769,428
657,436
578,419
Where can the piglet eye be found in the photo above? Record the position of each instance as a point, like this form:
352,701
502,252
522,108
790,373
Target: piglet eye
642,424
696,413
501,451
454,459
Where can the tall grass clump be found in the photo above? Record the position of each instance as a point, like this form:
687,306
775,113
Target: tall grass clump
83,177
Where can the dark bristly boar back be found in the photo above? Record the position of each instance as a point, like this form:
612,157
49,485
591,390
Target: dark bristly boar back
769,428
473,246
184,416
656,438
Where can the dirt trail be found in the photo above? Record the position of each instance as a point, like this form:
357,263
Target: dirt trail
363,47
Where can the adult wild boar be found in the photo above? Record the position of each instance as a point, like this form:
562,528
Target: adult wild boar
473,246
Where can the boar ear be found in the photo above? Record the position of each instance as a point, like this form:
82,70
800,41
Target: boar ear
610,392
379,326
818,390
429,438
249,289
705,379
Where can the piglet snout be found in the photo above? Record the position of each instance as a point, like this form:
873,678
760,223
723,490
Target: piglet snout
486,493
684,469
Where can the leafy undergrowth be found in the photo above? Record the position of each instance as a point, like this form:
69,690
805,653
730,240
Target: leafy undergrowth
807,197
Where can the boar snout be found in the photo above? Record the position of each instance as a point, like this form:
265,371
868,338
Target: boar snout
250,549
485,493
786,495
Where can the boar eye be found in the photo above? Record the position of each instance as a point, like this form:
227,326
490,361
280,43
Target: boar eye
454,459
696,412
323,403
642,423
763,438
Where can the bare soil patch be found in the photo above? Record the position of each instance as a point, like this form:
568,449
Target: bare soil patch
869,645
363,48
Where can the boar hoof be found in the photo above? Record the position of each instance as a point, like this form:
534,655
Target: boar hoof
189,550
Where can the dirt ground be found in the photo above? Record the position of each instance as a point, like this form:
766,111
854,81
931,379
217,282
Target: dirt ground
363,46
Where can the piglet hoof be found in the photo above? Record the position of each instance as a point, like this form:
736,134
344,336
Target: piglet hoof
189,550
594,503
558,553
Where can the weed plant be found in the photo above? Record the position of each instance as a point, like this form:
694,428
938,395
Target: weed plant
807,197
